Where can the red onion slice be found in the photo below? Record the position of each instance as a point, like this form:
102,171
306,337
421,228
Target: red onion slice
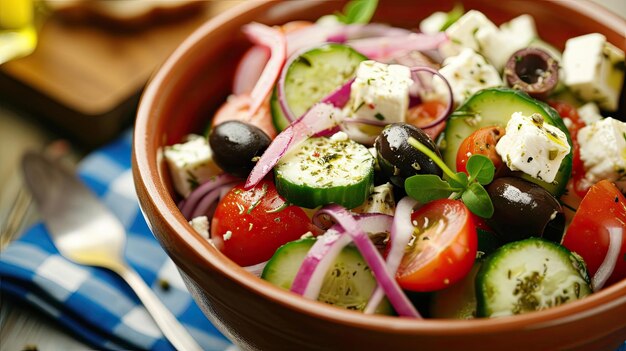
401,233
261,34
374,260
250,69
616,235
308,281
309,36
450,104
359,31
382,47
256,269
319,118
209,199
191,202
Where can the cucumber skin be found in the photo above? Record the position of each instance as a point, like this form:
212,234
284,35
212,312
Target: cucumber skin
310,195
447,138
491,262
291,256
304,196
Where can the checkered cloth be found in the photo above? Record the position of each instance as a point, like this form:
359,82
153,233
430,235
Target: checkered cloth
95,304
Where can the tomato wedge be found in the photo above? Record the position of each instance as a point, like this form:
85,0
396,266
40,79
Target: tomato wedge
424,114
249,225
569,112
443,248
604,206
482,142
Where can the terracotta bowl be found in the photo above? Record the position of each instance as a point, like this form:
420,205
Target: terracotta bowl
256,315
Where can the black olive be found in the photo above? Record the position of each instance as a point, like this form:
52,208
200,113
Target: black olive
399,160
235,146
523,209
532,70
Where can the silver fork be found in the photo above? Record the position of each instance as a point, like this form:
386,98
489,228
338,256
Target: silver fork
84,230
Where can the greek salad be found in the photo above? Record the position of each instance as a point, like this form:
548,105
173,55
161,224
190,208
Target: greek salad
459,169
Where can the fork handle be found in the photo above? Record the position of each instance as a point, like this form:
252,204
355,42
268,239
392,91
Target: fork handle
169,325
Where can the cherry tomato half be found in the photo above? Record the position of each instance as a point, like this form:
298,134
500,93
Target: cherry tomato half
249,225
603,206
424,114
443,248
482,141
569,112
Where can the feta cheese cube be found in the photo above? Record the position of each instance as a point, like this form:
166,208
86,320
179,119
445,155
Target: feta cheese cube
603,150
589,113
190,164
467,73
497,45
594,69
201,225
433,23
533,147
380,92
463,33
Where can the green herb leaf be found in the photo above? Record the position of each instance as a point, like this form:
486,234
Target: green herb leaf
427,187
453,16
480,168
477,200
459,181
358,11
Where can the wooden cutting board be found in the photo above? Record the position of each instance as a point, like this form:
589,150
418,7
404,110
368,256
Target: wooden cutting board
87,79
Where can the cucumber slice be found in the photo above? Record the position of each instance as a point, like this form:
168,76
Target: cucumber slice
494,106
529,275
349,283
326,170
312,76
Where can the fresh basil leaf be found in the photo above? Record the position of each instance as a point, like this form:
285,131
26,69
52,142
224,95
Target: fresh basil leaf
358,11
480,168
459,181
477,200
427,187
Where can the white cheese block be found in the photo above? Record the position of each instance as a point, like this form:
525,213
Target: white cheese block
603,150
201,225
433,23
498,44
190,164
533,147
594,69
380,92
463,33
467,73
589,113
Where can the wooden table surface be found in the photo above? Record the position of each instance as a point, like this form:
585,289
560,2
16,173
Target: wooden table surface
87,74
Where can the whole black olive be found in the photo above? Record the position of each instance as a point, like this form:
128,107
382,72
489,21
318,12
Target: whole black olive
523,209
532,70
235,146
399,160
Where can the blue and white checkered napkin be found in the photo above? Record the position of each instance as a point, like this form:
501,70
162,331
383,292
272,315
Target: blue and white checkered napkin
93,303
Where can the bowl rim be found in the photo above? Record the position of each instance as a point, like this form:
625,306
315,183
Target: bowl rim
146,175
